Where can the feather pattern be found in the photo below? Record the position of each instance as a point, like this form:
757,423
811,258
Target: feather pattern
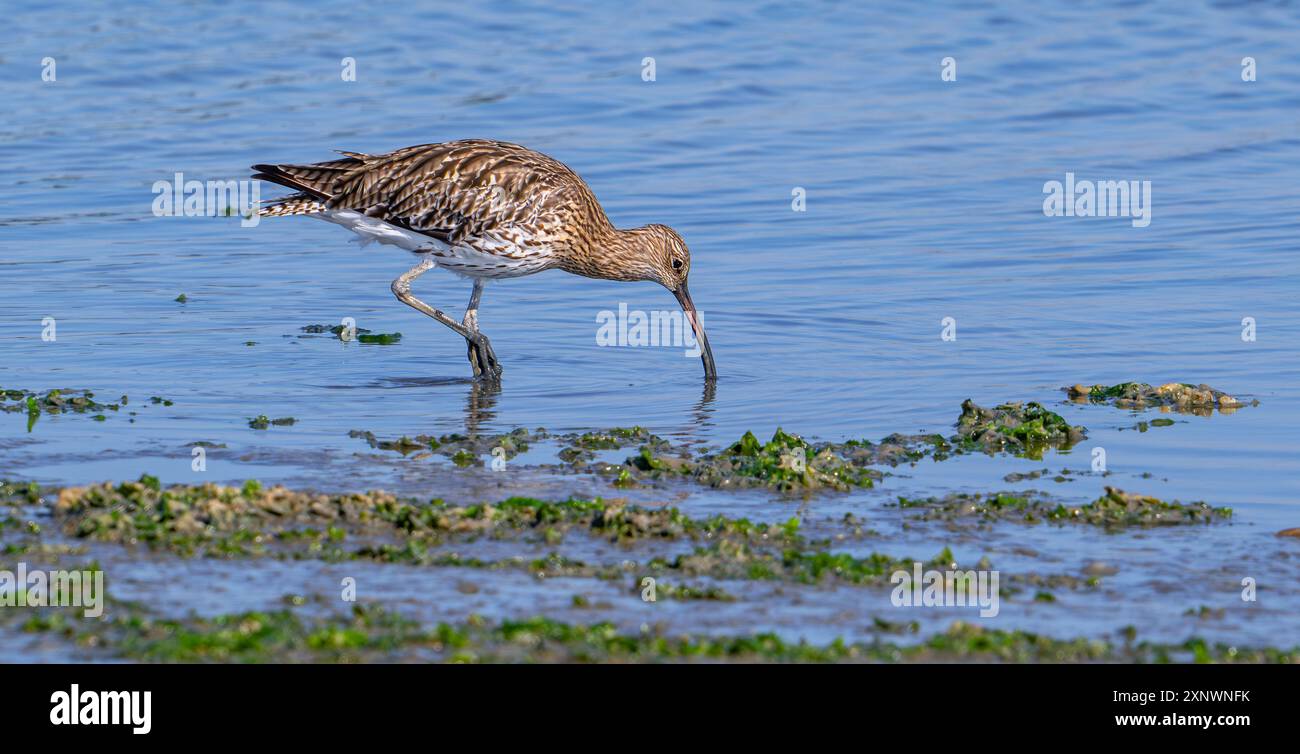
481,208
484,208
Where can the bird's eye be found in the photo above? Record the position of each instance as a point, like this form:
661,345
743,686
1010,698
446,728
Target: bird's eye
677,264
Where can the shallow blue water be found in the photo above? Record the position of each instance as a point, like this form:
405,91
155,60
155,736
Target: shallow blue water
923,201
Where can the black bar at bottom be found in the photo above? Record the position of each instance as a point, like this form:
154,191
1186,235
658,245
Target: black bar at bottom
213,704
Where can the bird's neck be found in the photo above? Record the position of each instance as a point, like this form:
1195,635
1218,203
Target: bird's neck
610,253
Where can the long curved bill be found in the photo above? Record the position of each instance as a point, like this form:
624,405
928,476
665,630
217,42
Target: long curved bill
706,354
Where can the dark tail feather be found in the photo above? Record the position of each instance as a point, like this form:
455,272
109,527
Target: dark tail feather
315,180
279,174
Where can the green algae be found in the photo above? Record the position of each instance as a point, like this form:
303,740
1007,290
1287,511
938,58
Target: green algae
252,521
1113,510
460,449
13,492
371,633
54,402
580,449
146,511
336,330
1119,508
1181,397
613,438
997,506
381,339
1144,426
1046,583
787,463
687,592
262,421
1025,429
813,567
1064,475
360,334
741,561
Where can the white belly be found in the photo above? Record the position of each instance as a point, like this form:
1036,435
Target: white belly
503,256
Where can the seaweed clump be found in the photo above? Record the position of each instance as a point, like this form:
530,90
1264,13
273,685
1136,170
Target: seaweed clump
372,633
1115,509
1020,428
786,462
1182,397
36,405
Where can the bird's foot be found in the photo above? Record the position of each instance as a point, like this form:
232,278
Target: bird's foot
483,359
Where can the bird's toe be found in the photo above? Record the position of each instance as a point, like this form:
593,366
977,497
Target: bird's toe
483,359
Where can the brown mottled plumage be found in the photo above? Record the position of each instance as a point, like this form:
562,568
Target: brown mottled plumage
486,210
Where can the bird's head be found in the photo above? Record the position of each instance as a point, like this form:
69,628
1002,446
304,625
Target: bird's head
664,258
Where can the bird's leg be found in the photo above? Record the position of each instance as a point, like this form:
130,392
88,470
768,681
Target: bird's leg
402,290
481,356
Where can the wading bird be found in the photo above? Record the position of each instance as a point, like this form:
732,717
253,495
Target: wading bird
485,210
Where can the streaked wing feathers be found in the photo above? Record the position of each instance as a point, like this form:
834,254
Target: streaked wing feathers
450,191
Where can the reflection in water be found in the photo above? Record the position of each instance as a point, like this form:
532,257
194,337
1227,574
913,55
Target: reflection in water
703,413
480,414
480,405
